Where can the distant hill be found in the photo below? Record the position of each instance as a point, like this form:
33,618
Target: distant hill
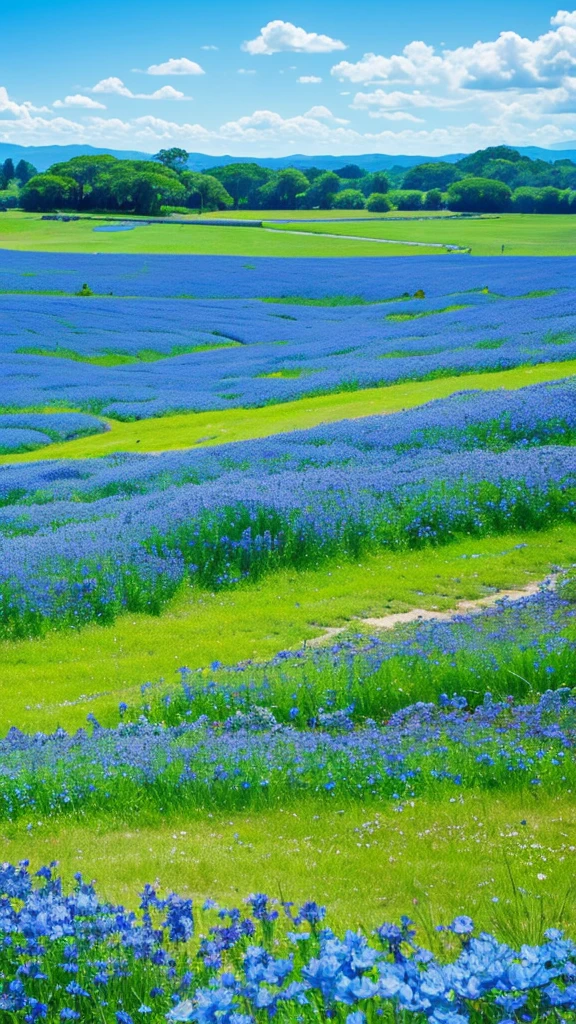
43,156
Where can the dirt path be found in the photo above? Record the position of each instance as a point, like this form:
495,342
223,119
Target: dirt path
429,615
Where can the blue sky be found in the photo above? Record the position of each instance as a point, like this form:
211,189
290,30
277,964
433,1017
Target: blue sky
266,79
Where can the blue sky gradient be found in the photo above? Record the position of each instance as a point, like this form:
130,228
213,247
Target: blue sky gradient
442,77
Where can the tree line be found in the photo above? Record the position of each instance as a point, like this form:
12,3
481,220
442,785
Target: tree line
493,180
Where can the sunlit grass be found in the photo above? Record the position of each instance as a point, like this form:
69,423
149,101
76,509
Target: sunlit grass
186,430
58,679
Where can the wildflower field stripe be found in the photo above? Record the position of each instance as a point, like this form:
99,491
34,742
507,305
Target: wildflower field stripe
56,680
205,429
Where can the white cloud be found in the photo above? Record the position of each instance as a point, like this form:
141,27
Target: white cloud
564,18
8,106
398,115
177,66
309,79
116,86
509,62
324,113
165,93
209,47
246,71
113,85
278,36
379,101
79,101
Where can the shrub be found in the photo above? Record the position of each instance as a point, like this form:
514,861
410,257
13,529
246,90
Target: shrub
349,199
479,195
407,199
378,203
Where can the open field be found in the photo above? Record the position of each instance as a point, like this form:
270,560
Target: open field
29,232
219,481
520,234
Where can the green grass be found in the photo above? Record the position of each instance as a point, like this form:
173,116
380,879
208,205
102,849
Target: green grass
185,430
114,357
29,232
274,215
521,234
58,679
367,863
401,317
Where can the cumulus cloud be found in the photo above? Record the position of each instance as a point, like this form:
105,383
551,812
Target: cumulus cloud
508,62
309,79
564,18
113,85
278,36
324,113
79,101
8,106
116,86
246,71
178,66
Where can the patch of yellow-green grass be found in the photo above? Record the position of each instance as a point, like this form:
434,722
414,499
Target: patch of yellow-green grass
116,357
30,232
185,430
58,679
367,863
520,234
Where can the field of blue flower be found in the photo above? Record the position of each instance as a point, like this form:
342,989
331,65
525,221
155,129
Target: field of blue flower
474,709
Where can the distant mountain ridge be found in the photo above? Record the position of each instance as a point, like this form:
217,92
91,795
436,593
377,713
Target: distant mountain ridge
44,156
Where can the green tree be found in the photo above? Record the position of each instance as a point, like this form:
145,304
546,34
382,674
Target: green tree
425,177
433,199
475,163
281,192
176,159
479,195
349,199
8,172
85,170
144,191
407,199
350,172
321,192
379,182
205,192
47,192
378,202
24,171
242,181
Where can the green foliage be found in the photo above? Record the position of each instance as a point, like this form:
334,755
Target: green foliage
47,191
543,200
7,172
425,177
176,159
242,181
25,171
378,202
404,199
479,195
350,172
348,199
321,192
281,191
433,200
205,192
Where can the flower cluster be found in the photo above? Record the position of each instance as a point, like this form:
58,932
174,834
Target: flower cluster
71,956
252,761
